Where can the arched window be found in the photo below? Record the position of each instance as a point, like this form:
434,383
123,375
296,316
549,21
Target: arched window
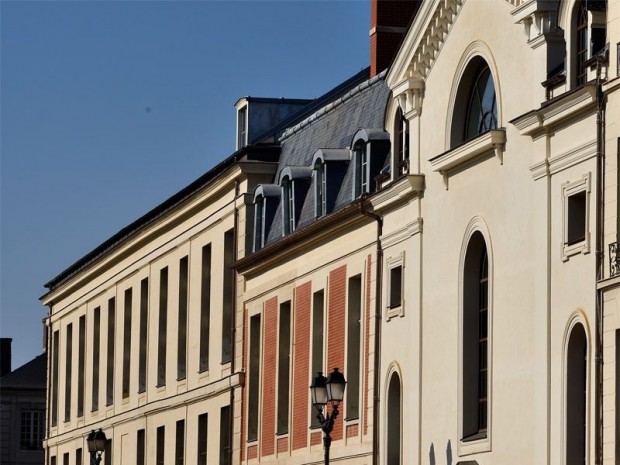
581,37
589,25
401,143
393,436
482,109
320,189
475,107
576,396
475,340
288,206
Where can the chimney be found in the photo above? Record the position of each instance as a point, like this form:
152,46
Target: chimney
5,355
389,21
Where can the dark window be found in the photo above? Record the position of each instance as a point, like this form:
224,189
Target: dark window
110,366
475,339
81,363
205,307
581,52
401,140
225,440
318,299
288,204
68,365
284,355
242,128
254,374
161,442
394,408
576,227
65,458
576,396
53,460
163,325
320,187
227,297
258,222
55,349
144,324
78,456
203,431
179,450
107,453
127,342
32,429
362,182
182,340
354,330
482,109
140,448
96,349
396,290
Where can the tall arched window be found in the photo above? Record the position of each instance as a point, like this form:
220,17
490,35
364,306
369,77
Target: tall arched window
475,340
394,405
401,143
576,396
581,46
475,107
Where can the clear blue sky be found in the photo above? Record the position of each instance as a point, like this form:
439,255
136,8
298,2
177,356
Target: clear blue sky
108,108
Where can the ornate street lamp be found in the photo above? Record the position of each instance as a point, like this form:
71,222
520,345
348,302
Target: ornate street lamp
96,445
324,390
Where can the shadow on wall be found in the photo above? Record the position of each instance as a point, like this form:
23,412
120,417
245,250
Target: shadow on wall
431,454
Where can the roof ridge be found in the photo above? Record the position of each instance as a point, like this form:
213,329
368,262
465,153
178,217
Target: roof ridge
331,106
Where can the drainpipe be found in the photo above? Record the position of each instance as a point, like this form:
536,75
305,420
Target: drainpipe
48,329
600,238
233,322
377,364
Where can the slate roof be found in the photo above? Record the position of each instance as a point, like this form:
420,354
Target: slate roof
31,375
332,126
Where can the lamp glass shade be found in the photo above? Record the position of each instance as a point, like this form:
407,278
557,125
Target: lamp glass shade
335,386
96,441
318,390
90,442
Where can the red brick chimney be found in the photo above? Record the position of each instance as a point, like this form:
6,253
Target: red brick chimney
389,21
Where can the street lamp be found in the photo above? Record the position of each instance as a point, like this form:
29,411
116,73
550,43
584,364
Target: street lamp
96,445
324,390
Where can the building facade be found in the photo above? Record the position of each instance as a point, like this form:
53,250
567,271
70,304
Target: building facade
444,232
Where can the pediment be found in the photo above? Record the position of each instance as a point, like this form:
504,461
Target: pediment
425,39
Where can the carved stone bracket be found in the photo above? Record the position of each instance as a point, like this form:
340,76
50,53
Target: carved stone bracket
539,20
410,94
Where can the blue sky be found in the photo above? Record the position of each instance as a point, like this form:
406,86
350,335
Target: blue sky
109,107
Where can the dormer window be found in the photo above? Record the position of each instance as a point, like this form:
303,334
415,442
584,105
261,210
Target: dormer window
288,206
360,157
320,189
259,208
401,143
266,197
370,147
242,127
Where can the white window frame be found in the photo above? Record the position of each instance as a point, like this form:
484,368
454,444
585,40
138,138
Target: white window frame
320,189
288,206
569,189
391,263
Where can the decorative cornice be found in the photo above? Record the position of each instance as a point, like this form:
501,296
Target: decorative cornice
402,189
409,230
553,165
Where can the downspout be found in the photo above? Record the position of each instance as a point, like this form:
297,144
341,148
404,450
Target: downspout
377,348
48,329
600,237
233,322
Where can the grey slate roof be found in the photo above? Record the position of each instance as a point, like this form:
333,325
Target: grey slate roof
333,126
31,375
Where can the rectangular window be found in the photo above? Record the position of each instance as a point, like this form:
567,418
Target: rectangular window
78,456
65,458
254,374
32,429
53,460
318,299
68,365
110,371
354,330
182,340
205,307
227,309
55,349
203,427
96,349
161,441
242,128
107,452
140,448
576,228
163,327
396,280
144,324
127,342
81,363
258,223
284,354
225,441
179,449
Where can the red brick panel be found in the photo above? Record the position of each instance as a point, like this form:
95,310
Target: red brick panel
282,445
352,431
268,420
367,342
315,438
336,329
252,452
301,365
244,394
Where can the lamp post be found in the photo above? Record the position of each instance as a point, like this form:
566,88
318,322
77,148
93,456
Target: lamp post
96,445
324,390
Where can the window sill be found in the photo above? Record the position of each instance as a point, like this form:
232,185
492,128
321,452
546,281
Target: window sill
394,312
491,141
479,442
576,248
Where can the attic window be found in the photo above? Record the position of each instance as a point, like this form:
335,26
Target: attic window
259,205
401,143
288,206
242,127
320,189
360,156
266,198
